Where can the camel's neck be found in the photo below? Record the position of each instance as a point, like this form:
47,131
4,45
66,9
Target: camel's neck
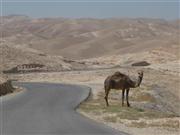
139,81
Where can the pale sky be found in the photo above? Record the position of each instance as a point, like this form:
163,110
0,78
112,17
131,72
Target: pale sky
166,9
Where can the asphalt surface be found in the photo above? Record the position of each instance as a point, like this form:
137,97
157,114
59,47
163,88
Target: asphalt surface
48,109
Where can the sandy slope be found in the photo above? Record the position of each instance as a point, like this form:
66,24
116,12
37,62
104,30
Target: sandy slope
11,56
87,38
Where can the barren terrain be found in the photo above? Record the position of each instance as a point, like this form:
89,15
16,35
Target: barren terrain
86,51
57,43
90,38
155,105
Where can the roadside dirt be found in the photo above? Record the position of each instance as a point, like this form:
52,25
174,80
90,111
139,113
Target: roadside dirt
155,105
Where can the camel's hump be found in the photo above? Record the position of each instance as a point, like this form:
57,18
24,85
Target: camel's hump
118,74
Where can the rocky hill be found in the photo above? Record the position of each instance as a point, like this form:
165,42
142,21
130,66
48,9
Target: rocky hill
61,43
18,56
86,37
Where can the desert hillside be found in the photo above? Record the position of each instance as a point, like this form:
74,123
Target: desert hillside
13,56
88,50
90,38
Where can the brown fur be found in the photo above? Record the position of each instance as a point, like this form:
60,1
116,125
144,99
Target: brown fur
123,82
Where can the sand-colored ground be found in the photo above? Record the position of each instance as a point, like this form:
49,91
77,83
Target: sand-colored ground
155,108
103,43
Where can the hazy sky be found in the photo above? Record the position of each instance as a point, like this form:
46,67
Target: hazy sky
168,9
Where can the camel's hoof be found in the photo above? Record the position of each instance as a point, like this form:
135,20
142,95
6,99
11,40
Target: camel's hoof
129,105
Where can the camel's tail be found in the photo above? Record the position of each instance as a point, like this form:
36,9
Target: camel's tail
106,85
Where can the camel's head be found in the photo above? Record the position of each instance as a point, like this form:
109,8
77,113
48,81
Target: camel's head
140,73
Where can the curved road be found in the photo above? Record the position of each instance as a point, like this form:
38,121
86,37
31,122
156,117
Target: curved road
48,109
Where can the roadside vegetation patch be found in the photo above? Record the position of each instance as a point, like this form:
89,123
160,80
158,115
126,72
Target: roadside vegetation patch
115,113
143,97
112,119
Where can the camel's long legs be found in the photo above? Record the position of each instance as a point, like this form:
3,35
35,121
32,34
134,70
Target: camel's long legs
106,96
123,90
127,97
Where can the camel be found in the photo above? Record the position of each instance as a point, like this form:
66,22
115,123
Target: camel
121,81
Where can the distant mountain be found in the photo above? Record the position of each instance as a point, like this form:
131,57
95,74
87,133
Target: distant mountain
89,38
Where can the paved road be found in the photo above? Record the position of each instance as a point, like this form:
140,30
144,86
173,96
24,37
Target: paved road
48,109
